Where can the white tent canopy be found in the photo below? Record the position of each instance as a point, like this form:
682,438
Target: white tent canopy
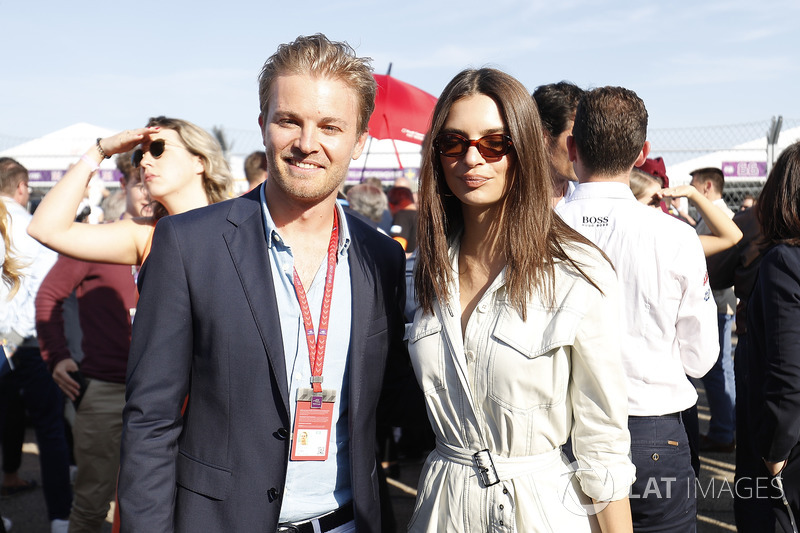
48,157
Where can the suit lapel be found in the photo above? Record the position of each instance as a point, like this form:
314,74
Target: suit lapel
362,302
247,245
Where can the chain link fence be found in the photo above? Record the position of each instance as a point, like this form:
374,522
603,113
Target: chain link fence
739,149
681,148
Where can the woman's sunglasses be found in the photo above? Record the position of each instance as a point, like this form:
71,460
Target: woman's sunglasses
455,145
156,150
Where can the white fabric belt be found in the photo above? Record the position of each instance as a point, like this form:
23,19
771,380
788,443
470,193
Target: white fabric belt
506,467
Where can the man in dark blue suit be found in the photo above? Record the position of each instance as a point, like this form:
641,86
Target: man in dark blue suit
278,315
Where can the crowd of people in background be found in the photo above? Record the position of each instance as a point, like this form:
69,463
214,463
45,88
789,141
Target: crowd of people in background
561,307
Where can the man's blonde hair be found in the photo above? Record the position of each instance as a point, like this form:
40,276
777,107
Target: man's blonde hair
319,56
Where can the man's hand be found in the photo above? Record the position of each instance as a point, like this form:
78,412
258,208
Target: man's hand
64,381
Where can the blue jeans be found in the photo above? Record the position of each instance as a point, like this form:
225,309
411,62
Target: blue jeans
45,404
720,387
663,498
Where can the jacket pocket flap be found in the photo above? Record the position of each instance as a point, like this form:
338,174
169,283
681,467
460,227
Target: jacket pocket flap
423,326
202,478
543,330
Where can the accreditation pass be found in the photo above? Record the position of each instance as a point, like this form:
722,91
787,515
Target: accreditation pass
312,426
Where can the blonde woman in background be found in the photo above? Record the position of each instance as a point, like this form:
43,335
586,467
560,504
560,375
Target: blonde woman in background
180,164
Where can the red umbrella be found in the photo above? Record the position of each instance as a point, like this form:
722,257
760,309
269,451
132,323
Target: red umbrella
402,111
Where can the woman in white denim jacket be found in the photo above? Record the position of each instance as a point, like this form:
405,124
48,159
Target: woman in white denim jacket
515,343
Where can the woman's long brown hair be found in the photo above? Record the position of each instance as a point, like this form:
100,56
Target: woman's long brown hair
530,234
778,206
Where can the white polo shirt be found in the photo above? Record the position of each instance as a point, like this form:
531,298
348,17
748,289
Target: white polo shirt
668,316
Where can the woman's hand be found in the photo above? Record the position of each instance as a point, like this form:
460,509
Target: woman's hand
774,468
126,140
681,191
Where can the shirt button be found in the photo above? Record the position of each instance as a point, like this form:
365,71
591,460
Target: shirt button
276,237
505,491
483,307
501,507
470,356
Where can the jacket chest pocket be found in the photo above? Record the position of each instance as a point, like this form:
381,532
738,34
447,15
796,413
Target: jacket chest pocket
529,364
426,350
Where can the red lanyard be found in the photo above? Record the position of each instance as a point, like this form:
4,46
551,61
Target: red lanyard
316,346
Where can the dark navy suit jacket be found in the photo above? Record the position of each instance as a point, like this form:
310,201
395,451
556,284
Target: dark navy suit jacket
772,356
207,325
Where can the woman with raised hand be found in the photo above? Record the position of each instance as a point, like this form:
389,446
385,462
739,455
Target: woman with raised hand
180,164
516,340
724,232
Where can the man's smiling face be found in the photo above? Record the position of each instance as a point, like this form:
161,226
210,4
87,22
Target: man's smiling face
310,135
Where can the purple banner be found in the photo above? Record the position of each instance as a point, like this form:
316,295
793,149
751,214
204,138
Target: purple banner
52,176
744,169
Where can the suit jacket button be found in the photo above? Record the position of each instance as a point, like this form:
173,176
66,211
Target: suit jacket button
273,494
283,433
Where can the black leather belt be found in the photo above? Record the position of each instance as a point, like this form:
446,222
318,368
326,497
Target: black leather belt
668,415
327,522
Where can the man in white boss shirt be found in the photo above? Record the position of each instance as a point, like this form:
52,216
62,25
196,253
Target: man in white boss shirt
668,314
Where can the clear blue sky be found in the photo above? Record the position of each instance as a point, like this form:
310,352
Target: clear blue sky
114,64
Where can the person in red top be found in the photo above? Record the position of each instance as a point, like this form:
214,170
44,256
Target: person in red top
106,303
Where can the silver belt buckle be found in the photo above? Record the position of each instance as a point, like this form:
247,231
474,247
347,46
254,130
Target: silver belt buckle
486,469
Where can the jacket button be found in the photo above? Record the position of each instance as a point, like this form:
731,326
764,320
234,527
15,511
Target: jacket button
656,457
273,494
283,433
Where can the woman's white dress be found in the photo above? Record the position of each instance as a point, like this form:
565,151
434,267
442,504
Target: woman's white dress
520,389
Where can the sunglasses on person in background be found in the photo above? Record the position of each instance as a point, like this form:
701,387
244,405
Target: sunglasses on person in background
156,150
455,145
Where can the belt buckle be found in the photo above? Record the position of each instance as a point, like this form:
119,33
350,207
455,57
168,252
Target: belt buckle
486,469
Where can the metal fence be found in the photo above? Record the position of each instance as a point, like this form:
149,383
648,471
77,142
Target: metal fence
675,145
739,142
